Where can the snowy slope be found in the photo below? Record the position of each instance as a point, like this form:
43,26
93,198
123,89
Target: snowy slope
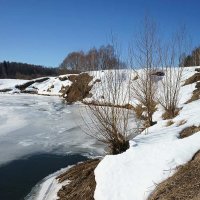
52,86
152,157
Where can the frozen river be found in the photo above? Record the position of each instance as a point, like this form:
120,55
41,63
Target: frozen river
38,136
39,124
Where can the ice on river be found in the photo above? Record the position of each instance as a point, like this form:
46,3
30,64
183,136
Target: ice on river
32,124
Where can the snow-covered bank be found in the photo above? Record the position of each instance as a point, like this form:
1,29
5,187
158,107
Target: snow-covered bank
153,156
47,189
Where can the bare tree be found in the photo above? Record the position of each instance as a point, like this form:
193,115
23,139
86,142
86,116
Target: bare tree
170,84
109,116
144,55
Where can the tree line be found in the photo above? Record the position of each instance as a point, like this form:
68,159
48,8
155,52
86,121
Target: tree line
192,59
24,71
94,59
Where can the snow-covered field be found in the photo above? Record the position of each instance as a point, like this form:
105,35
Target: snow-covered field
34,124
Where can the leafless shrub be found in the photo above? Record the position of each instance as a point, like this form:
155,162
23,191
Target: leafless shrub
170,84
108,120
145,55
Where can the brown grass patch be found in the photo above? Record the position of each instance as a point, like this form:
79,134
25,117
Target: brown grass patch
169,123
189,131
27,84
180,123
183,185
196,93
168,115
79,88
192,79
82,182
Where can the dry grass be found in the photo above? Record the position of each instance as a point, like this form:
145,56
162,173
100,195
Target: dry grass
169,123
196,93
82,182
79,88
192,79
183,185
189,131
168,115
180,123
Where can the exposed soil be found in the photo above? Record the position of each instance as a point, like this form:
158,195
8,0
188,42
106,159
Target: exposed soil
82,182
183,185
189,131
79,88
192,79
5,90
27,84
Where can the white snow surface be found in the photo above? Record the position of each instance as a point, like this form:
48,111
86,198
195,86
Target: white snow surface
153,156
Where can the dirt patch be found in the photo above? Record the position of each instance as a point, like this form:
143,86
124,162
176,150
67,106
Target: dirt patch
183,185
27,84
193,79
82,182
5,90
189,131
196,94
79,88
169,123
168,115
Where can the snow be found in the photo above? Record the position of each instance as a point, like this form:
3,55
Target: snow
153,156
52,86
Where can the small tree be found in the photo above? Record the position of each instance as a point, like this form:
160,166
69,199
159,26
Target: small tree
145,56
109,120
170,84
108,116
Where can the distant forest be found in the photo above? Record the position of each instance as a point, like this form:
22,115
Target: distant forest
24,70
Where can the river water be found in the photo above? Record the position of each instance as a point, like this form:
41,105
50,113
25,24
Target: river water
38,135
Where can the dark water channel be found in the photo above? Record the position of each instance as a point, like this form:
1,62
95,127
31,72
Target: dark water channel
18,177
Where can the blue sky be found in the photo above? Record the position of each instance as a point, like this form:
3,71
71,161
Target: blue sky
45,31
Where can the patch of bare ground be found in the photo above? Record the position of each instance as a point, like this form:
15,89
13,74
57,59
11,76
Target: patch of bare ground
27,84
195,94
194,78
183,185
82,182
79,88
189,131
167,114
169,123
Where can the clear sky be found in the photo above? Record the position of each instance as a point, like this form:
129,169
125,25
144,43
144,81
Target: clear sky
45,31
